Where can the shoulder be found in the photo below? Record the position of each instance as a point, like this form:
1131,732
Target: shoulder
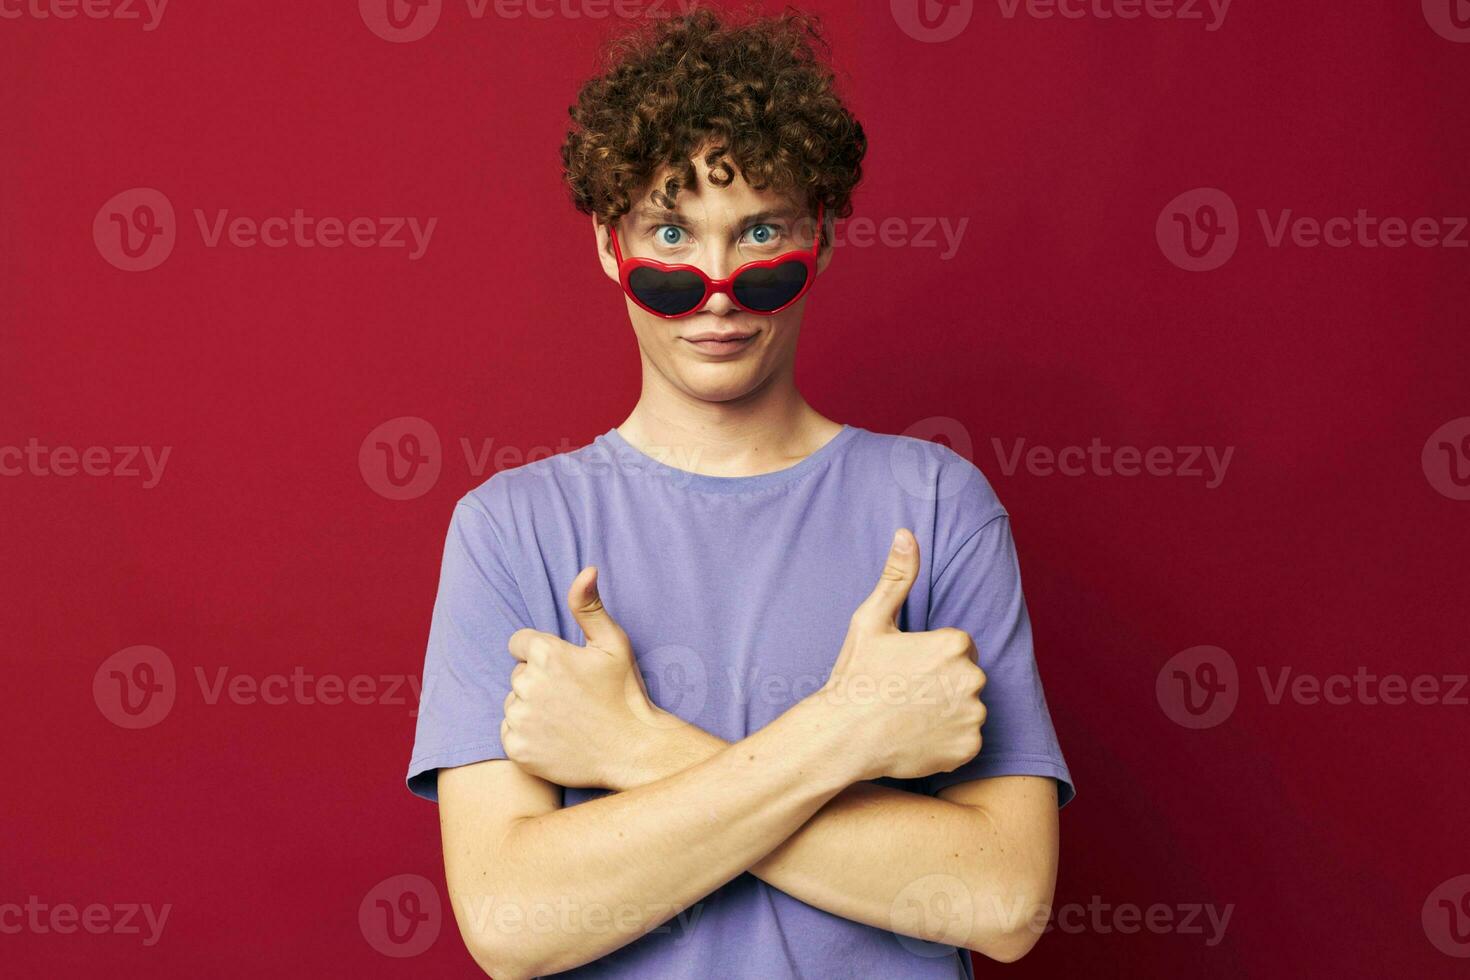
932,472
517,496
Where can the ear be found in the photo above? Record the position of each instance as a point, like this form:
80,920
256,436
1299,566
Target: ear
605,249
824,255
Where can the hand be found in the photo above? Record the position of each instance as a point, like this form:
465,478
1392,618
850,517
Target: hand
912,699
574,714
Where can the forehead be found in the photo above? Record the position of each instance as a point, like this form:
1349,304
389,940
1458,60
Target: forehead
707,203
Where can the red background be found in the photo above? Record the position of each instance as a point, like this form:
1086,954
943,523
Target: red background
264,549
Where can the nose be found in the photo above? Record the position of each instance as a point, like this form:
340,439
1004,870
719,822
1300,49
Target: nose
719,304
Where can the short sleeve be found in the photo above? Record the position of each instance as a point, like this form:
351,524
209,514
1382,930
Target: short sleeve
467,666
979,591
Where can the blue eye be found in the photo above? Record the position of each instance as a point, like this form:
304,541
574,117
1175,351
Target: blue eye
669,234
763,234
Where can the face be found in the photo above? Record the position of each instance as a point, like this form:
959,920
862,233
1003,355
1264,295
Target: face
719,353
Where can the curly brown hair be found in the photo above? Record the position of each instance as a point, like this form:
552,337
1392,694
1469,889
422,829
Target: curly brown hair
754,92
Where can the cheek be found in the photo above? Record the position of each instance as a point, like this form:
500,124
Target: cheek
652,331
783,327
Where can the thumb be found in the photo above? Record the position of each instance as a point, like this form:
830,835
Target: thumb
601,630
879,611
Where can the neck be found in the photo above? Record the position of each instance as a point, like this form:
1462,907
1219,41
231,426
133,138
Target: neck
763,431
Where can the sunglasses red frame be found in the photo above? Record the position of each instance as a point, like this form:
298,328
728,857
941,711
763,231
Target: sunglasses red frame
626,268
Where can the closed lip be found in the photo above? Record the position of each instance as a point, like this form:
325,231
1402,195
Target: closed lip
723,337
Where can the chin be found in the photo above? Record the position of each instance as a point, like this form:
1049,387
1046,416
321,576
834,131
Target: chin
727,382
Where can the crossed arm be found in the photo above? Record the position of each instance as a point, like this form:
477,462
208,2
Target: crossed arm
539,889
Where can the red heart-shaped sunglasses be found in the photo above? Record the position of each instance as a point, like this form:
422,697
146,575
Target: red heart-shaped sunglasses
766,286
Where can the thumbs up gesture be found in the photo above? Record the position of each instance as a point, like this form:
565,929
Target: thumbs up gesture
574,713
912,699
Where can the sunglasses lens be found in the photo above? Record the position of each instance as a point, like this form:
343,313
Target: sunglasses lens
770,288
669,293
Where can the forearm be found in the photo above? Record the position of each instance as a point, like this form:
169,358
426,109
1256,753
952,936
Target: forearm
574,884
958,878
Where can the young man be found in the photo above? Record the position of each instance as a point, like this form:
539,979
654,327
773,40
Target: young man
702,698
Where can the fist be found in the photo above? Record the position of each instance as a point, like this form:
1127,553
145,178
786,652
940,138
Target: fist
913,699
575,713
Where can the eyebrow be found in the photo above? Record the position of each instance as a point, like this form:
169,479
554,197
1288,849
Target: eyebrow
666,216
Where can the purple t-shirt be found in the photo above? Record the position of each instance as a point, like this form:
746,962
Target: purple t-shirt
736,594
